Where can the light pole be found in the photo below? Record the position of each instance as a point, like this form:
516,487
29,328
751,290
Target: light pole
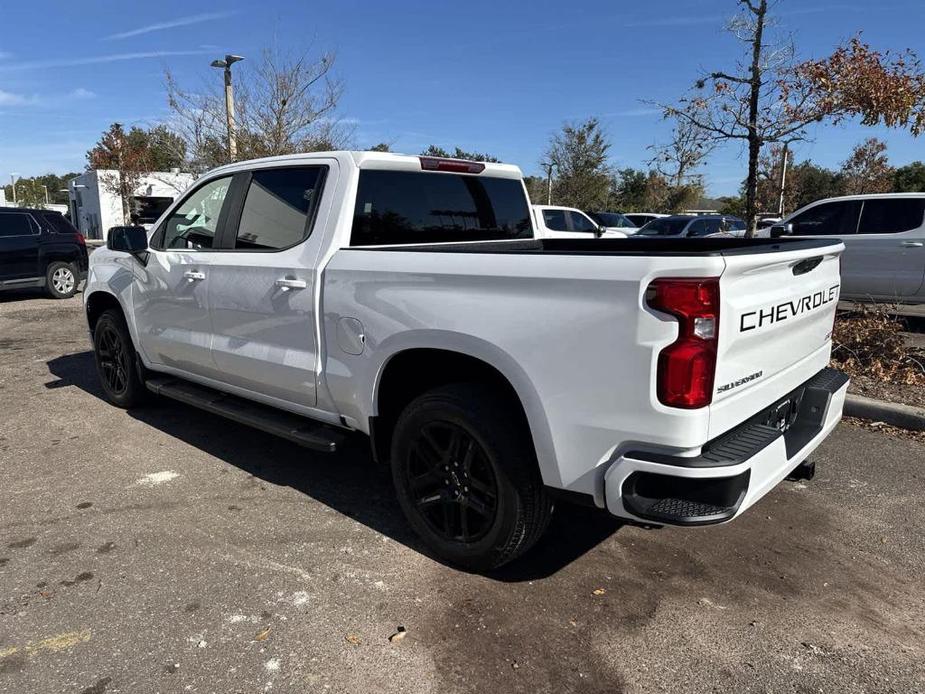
45,188
548,166
13,185
229,101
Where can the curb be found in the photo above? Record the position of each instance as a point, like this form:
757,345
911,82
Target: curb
904,416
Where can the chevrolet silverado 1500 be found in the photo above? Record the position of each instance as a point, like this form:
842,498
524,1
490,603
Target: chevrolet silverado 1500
408,298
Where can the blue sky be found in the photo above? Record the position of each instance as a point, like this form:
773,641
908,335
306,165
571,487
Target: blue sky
490,76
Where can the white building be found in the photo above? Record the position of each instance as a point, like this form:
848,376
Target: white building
95,204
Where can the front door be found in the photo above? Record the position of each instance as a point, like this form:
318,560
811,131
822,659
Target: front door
262,286
19,247
171,292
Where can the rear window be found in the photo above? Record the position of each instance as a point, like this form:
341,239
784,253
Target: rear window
412,207
664,226
891,216
58,223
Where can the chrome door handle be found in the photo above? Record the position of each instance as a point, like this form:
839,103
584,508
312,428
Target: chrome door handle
913,244
193,275
286,284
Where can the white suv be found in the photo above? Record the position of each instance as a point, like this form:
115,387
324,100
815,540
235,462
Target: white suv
884,238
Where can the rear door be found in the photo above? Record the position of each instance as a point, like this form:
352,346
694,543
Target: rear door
262,285
19,246
886,258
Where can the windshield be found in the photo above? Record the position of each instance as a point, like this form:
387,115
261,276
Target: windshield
611,219
734,224
664,226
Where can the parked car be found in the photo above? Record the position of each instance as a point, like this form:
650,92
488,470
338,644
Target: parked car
884,237
40,248
614,221
566,222
694,226
408,298
640,219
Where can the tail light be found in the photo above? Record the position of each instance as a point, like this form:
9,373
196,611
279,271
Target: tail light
454,165
81,241
687,366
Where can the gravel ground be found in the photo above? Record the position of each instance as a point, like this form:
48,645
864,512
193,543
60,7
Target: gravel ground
167,550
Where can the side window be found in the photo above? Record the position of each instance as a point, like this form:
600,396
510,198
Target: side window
828,219
698,228
16,224
555,220
891,216
581,223
194,223
277,208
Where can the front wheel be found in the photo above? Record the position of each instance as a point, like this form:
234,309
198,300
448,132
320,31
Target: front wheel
115,361
466,477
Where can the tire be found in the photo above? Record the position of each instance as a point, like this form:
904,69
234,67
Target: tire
61,280
116,361
466,476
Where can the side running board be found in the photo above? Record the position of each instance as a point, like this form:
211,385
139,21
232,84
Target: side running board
305,432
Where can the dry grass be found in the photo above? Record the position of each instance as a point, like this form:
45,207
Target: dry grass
868,343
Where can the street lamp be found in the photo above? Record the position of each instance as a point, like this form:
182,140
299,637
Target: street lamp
13,176
548,165
229,101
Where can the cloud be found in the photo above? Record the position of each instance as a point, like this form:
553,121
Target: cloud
81,93
171,24
94,60
11,99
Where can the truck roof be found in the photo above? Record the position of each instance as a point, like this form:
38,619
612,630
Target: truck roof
366,160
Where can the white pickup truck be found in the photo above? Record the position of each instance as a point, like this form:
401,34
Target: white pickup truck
407,298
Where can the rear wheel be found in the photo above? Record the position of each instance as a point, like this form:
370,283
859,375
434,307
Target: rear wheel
60,280
115,361
466,476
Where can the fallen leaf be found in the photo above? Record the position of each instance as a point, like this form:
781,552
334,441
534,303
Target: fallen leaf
352,639
262,635
598,591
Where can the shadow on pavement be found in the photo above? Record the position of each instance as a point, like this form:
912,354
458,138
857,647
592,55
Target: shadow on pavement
347,481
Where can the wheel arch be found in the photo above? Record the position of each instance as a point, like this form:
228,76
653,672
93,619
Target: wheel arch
98,302
408,372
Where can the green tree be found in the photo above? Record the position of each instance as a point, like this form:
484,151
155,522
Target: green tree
381,147
909,178
457,153
583,176
868,169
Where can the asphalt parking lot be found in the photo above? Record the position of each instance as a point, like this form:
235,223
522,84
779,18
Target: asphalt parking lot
168,550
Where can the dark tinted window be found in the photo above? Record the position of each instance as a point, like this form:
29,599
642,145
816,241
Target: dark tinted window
891,216
664,226
58,223
413,207
277,207
15,224
581,223
735,224
828,219
698,228
611,219
194,223
555,220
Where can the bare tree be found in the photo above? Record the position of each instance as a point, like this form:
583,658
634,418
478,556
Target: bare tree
678,158
770,99
284,104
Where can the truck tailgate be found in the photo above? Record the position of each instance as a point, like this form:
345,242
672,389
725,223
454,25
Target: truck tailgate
776,316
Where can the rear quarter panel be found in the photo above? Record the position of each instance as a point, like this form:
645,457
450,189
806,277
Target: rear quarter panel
569,332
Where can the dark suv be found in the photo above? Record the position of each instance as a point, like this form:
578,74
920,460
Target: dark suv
40,248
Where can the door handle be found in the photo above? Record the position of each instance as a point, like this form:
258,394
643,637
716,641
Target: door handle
286,284
913,244
193,275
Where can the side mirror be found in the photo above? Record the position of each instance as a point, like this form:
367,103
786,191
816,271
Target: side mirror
600,230
779,230
132,240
